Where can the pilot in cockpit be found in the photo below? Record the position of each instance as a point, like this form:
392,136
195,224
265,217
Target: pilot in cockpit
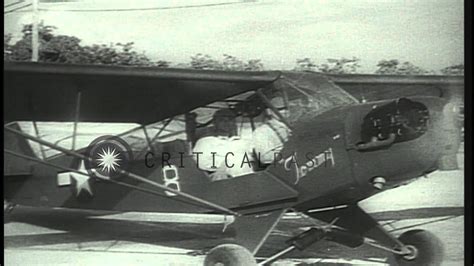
271,135
223,151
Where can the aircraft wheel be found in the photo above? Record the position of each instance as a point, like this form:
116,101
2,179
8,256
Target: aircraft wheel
425,247
229,255
7,206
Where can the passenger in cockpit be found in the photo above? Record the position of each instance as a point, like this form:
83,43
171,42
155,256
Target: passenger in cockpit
223,151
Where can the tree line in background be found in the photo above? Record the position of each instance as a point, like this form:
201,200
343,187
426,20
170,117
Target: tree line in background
68,49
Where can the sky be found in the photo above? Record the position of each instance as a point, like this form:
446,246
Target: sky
428,33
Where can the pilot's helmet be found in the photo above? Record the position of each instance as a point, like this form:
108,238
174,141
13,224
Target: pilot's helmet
225,122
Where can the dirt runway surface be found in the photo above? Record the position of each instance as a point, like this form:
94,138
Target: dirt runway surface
57,237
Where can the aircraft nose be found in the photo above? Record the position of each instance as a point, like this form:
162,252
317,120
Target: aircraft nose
448,131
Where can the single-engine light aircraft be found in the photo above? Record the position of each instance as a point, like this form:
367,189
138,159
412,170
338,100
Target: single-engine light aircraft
348,138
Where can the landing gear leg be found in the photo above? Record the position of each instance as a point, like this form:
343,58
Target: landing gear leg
416,247
313,235
301,242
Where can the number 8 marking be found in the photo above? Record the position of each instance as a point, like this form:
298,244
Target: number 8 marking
171,179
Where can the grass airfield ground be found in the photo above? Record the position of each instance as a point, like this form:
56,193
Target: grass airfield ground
53,237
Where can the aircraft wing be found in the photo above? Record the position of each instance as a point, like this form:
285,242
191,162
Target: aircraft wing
56,92
377,87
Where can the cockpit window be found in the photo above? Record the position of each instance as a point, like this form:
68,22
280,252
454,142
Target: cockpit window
307,93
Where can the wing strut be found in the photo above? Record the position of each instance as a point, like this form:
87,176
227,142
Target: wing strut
129,174
148,140
76,119
162,128
152,140
35,127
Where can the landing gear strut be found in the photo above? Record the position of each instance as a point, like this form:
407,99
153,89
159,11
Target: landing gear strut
307,238
415,247
418,247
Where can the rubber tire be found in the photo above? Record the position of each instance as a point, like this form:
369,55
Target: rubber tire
229,255
430,248
7,207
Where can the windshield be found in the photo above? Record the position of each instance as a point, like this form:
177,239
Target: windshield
308,93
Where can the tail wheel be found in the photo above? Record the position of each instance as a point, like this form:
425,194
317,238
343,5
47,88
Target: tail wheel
229,255
425,248
7,206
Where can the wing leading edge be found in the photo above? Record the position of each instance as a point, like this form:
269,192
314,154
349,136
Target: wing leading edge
54,92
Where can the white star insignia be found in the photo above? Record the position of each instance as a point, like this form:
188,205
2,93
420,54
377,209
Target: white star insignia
82,181
108,160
